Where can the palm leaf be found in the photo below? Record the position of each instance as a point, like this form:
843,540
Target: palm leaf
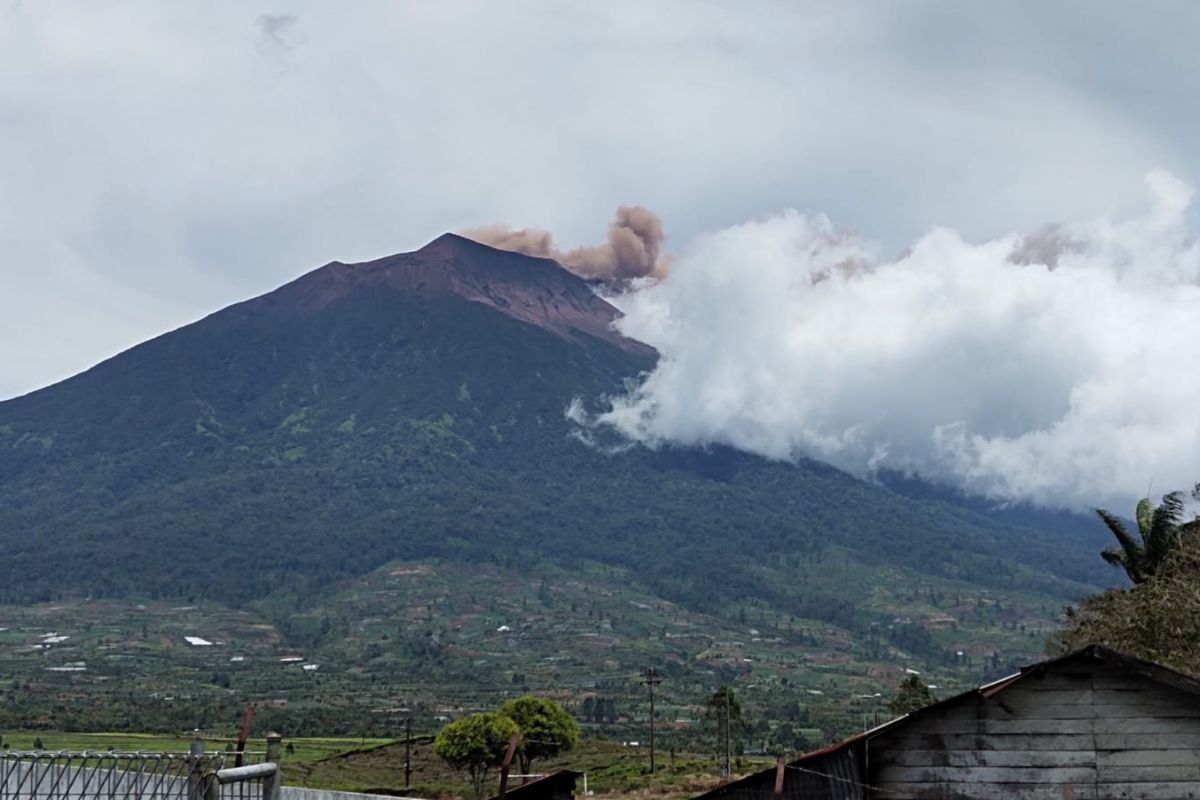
1116,557
1164,531
1131,553
1145,517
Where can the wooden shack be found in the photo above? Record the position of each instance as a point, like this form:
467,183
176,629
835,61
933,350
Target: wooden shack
1091,725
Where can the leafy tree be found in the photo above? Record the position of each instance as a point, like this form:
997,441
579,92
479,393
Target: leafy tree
546,728
1159,532
476,744
912,694
787,739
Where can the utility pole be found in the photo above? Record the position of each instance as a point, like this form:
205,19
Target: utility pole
651,680
725,765
407,752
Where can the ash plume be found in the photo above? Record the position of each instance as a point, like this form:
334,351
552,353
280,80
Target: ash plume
634,247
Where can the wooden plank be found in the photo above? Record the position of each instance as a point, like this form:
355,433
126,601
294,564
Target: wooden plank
1146,791
985,791
1147,725
1030,726
1047,758
1149,774
1123,680
993,775
1020,698
1159,710
1054,680
1165,693
1147,741
1010,742
1148,757
964,710
1058,706
1045,710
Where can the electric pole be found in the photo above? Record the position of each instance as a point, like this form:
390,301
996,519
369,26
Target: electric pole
725,767
651,680
407,751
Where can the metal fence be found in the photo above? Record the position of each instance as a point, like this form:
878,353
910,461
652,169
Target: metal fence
134,776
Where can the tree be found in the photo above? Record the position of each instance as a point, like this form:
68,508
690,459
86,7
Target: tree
912,694
1159,533
787,739
476,743
723,713
546,728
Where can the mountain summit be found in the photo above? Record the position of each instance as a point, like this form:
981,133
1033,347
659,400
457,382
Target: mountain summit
534,290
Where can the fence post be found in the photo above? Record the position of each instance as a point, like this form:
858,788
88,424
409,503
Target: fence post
195,778
271,785
212,784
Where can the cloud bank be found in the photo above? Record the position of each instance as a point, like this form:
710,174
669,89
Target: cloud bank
633,249
1057,367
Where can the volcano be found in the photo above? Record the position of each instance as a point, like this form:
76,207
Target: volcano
414,407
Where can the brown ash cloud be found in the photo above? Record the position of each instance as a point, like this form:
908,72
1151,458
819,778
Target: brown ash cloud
634,247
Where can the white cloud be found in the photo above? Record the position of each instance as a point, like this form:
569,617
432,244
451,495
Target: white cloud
1069,385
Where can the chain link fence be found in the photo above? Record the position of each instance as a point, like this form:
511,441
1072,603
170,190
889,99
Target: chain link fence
134,776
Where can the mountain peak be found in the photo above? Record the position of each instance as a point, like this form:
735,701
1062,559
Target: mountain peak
452,244
537,291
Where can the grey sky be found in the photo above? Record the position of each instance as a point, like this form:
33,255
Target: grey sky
161,160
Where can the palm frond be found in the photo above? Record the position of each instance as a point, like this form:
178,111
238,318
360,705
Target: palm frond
1144,515
1164,530
1131,554
1115,557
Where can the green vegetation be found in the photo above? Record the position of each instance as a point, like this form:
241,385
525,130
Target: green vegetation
546,728
912,695
612,768
435,640
476,744
1158,618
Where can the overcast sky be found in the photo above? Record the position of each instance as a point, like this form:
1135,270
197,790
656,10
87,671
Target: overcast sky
161,160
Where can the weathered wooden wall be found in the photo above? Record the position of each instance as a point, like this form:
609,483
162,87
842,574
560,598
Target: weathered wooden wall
1082,729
